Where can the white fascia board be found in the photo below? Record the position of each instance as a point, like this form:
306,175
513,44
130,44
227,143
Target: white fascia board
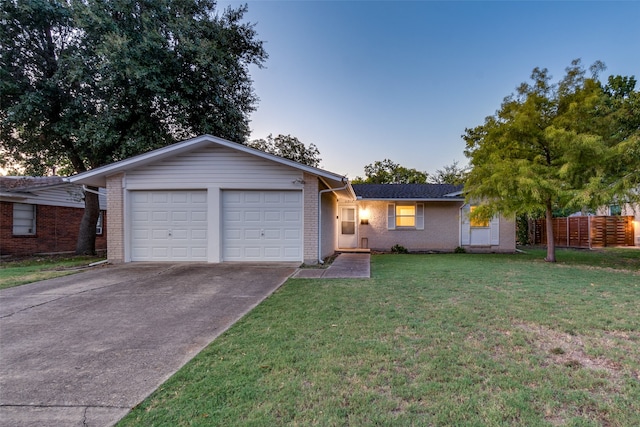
10,197
97,177
448,199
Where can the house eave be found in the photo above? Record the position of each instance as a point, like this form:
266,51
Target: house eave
408,199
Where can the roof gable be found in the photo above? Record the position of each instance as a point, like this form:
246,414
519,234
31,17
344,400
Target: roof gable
97,177
408,191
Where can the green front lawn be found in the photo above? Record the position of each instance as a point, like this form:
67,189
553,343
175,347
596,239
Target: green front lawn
14,273
480,340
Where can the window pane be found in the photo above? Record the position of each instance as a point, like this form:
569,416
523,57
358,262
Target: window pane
348,214
348,227
476,223
405,221
405,216
405,210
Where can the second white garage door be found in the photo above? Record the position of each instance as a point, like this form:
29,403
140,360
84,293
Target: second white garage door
262,225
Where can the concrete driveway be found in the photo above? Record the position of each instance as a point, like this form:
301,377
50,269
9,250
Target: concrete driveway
84,349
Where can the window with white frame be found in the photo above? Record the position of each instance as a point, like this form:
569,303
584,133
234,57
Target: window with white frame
478,223
405,216
24,219
99,223
615,210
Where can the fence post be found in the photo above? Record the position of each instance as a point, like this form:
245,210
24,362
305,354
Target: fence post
589,229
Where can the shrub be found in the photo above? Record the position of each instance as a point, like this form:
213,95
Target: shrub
460,250
399,249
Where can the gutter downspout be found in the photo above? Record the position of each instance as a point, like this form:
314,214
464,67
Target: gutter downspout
320,193
88,190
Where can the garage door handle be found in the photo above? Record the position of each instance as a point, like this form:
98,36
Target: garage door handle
262,233
170,233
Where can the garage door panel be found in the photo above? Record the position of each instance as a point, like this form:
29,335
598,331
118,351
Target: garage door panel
273,216
271,221
251,234
293,197
160,216
273,234
252,216
199,234
292,216
179,216
199,216
140,197
168,225
181,197
252,197
292,252
233,215
252,252
159,197
273,197
232,234
159,252
272,252
292,234
199,198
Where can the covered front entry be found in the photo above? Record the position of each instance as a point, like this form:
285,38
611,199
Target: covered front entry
168,225
262,225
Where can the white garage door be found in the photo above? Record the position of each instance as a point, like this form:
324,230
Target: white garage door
168,225
262,225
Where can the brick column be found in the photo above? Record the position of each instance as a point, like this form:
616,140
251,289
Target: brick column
310,232
115,219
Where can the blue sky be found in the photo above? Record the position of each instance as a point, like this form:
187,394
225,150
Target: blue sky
369,80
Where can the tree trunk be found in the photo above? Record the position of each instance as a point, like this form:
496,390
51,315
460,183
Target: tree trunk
87,235
551,241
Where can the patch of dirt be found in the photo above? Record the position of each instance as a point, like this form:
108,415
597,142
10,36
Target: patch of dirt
569,350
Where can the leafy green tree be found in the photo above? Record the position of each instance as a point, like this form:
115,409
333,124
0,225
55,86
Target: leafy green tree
620,116
87,82
289,147
389,172
548,147
450,174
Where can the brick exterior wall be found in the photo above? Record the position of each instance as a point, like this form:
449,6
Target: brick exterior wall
310,219
56,231
115,204
441,228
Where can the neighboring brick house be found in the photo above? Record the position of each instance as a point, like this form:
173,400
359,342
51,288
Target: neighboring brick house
41,215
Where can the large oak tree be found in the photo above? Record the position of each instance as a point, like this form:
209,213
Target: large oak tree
390,172
289,147
87,82
566,145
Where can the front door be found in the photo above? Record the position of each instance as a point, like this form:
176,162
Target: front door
347,236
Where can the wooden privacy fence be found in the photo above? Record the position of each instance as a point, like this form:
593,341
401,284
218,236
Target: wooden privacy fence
585,231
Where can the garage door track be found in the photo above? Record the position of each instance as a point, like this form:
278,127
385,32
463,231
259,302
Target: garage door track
84,349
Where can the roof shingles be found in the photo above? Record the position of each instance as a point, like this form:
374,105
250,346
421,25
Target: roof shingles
27,183
408,191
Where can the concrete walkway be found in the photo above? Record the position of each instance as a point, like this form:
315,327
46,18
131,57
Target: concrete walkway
345,266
